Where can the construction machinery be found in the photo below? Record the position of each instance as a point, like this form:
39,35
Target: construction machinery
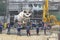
45,11
49,18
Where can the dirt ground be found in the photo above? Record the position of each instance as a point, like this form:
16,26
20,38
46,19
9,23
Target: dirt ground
35,37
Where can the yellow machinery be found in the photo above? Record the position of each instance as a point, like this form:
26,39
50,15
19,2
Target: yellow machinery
45,11
47,17
54,20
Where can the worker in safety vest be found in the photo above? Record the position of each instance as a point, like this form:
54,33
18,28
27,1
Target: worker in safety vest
5,25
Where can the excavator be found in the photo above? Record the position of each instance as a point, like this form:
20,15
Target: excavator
49,18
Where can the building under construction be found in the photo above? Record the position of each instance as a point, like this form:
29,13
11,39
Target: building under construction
16,6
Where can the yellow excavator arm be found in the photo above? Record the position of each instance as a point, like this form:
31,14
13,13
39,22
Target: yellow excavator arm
45,11
46,16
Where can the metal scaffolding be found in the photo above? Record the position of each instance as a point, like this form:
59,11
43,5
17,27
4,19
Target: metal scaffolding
18,6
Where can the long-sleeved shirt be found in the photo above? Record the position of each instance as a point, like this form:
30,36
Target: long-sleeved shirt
28,27
1,25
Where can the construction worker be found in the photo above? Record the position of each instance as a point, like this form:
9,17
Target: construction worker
37,29
28,28
8,27
1,26
19,28
45,27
